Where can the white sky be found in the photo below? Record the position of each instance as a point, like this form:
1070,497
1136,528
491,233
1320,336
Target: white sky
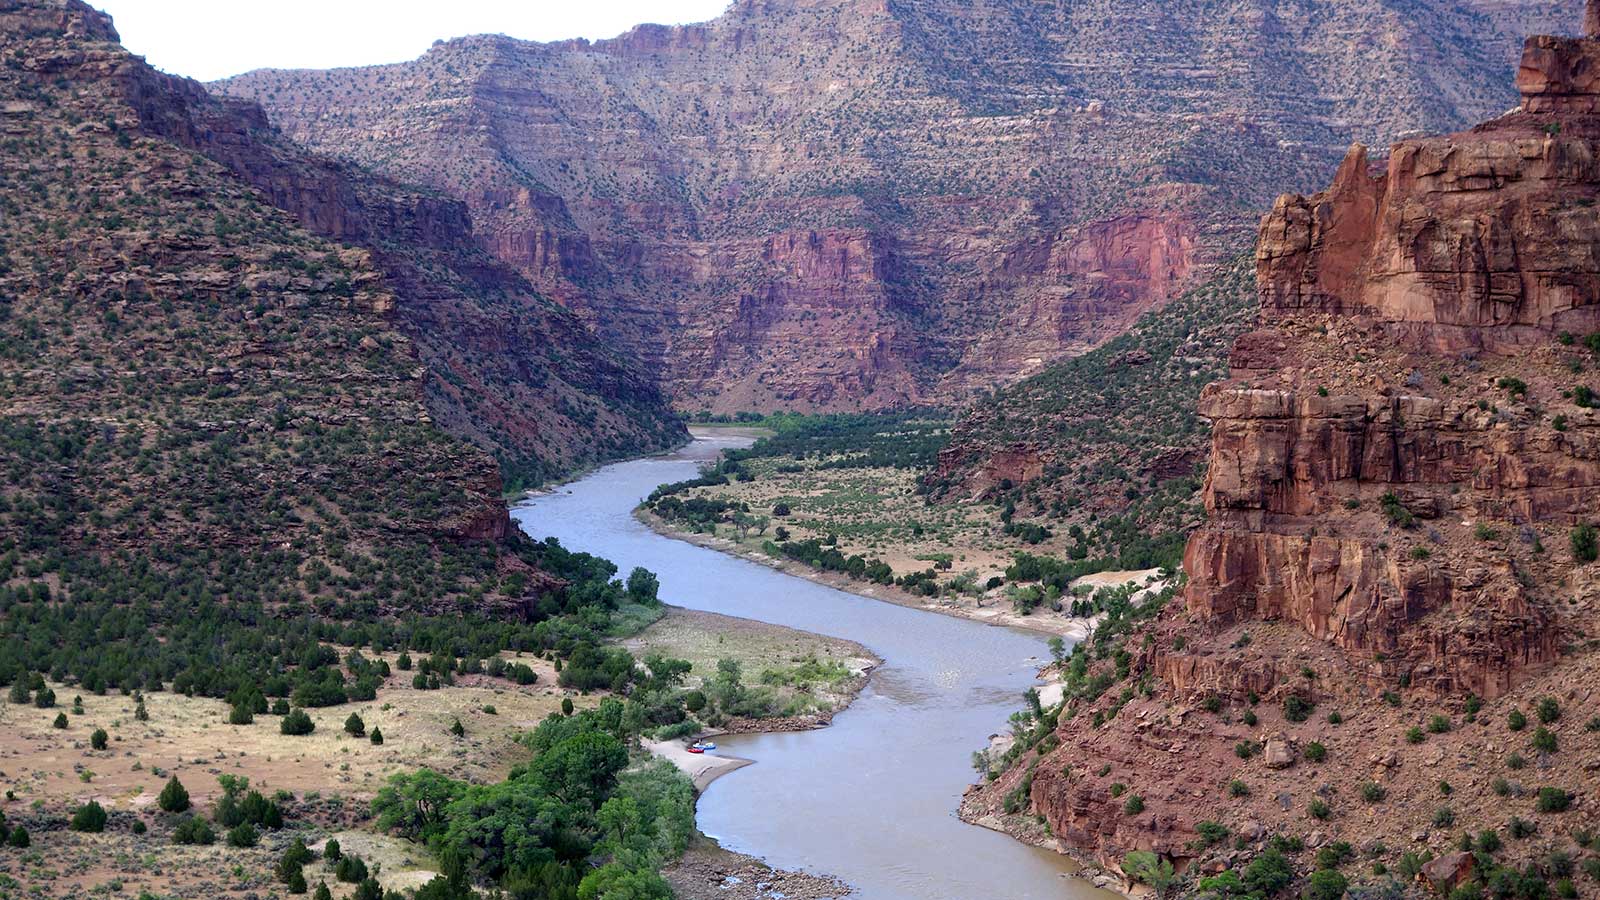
208,39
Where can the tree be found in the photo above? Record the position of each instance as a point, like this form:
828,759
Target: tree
243,835
1147,868
643,586
60,722
414,803
20,693
566,706
1585,543
296,722
44,698
355,726
90,817
194,831
322,892
457,729
580,769
377,735
296,882
331,851
614,880
98,739
241,714
174,797
19,838
1326,884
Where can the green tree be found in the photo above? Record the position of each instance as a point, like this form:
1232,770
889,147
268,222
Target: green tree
1149,869
414,803
354,726
98,739
296,722
60,722
174,798
1585,543
377,735
90,817
614,881
643,586
19,838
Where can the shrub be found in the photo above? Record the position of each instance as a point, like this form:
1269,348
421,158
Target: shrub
1515,761
1134,806
1297,708
99,738
243,835
1211,832
19,838
1334,855
1326,884
1548,710
355,726
1553,800
331,851
377,735
1585,543
90,817
1315,752
1444,817
241,714
1414,735
350,870
60,722
1237,788
457,729
193,831
1268,873
1439,724
1488,841
1244,749
1544,740
296,723
1319,809
1520,828
174,797
1373,792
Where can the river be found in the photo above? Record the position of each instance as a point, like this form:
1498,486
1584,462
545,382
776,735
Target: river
872,798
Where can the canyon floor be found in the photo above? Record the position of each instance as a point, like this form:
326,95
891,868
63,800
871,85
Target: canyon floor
326,779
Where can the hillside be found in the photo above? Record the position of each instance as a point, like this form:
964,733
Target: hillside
1383,668
846,204
212,413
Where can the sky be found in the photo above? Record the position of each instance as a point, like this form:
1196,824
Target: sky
209,39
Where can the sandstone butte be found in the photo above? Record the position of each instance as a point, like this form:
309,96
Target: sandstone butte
843,204
1400,454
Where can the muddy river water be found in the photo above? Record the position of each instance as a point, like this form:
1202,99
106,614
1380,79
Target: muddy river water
871,799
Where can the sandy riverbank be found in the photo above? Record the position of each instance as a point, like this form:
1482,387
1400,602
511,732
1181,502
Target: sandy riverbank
1069,628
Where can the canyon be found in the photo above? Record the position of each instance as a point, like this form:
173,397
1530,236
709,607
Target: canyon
859,204
1402,472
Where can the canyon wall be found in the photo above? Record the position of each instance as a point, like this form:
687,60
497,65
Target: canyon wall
859,204
1404,459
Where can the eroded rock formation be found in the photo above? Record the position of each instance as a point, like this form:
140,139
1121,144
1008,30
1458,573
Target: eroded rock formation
853,203
1401,463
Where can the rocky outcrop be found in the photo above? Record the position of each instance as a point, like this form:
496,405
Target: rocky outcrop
847,204
1403,462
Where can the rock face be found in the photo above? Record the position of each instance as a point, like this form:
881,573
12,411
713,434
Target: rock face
242,375
1481,246
856,203
509,370
1403,463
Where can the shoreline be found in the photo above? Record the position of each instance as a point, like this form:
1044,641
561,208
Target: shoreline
1070,629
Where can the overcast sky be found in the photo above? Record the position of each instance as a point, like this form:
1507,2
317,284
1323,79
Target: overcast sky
209,39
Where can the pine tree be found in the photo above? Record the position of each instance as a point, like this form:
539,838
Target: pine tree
61,720
174,797
377,735
355,726
456,728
